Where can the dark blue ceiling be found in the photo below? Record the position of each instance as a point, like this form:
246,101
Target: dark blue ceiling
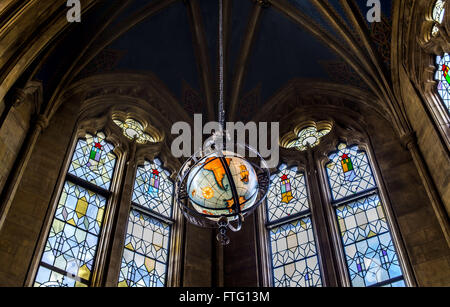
163,44
283,51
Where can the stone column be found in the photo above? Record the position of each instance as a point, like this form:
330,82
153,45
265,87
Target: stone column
17,142
121,221
318,214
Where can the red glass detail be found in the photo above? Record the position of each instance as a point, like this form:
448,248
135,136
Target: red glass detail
284,177
155,172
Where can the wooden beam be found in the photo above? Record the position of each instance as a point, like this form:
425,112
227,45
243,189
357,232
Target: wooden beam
242,61
202,56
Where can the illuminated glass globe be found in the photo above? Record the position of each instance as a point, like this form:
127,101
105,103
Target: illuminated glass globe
213,179
218,188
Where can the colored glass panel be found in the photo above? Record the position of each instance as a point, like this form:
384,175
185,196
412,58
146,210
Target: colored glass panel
144,261
294,255
287,194
368,246
153,188
93,160
443,79
72,241
349,172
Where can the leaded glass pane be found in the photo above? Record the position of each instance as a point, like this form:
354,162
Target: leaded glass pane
144,261
73,237
94,160
443,78
287,194
294,255
153,188
48,278
349,172
438,15
369,249
400,283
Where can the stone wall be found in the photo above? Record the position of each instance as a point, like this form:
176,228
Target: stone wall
20,233
419,228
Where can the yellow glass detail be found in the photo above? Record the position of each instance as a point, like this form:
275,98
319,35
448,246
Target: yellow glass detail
122,284
84,272
100,216
80,285
149,264
72,222
81,207
287,197
303,224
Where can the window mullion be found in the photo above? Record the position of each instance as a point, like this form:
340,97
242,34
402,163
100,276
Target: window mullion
326,252
120,225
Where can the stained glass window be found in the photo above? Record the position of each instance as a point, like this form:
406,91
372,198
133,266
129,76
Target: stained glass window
307,138
70,250
153,188
94,160
368,246
291,238
443,78
349,172
438,15
294,255
144,261
146,251
287,195
134,129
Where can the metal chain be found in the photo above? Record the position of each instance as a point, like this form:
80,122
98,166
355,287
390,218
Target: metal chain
221,68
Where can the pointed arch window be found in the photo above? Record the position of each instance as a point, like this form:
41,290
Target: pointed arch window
345,219
98,236
70,250
146,251
369,250
292,243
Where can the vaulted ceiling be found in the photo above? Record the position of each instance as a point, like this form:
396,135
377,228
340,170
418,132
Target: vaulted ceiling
268,43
